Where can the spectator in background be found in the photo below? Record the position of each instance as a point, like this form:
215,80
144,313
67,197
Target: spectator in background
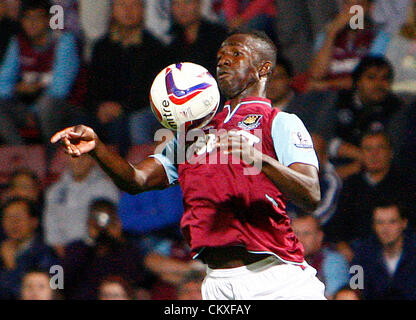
389,15
115,288
158,19
370,105
24,183
402,53
279,90
256,14
167,256
346,293
123,66
94,18
71,15
194,38
405,154
13,8
339,48
311,108
331,186
36,286
105,252
22,250
297,24
36,76
361,192
67,202
190,286
388,259
8,28
332,267
330,182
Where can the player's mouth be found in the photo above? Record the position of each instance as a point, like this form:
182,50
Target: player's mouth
223,74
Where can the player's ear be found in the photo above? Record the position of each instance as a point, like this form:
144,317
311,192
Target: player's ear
265,69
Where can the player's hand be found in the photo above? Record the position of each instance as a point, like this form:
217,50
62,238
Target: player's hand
241,145
76,140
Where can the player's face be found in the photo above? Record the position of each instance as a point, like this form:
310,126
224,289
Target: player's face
388,225
236,65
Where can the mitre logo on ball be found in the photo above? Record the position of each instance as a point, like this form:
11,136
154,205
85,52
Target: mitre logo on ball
184,94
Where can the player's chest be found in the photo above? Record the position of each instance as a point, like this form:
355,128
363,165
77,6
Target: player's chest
247,119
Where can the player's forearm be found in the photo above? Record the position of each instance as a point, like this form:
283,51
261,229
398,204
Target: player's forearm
123,174
300,188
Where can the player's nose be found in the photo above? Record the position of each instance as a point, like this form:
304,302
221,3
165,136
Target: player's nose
224,60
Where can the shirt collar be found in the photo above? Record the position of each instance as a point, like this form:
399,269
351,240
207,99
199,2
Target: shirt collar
252,99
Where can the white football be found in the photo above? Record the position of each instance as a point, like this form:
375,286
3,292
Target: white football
184,94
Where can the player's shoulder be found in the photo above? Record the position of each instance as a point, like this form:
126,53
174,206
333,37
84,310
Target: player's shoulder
286,120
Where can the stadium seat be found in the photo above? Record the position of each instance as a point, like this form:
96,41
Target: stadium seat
32,157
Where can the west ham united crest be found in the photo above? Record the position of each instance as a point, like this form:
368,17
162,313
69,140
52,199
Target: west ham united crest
250,122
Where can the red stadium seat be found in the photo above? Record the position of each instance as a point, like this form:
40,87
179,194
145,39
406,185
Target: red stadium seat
59,162
32,157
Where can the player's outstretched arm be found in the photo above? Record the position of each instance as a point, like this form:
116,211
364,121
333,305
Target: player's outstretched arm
299,182
146,175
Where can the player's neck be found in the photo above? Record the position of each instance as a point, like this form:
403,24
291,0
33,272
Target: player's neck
256,90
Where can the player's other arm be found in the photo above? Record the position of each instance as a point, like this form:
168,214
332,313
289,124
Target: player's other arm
295,172
146,175
299,182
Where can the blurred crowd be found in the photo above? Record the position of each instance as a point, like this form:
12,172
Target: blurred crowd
354,88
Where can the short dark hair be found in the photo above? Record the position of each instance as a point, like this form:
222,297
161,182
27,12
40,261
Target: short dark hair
368,62
28,5
31,205
271,50
389,202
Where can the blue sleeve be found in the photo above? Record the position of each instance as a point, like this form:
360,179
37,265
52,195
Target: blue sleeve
65,68
380,44
336,272
292,141
167,159
9,70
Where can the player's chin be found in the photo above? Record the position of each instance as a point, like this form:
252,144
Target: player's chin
228,91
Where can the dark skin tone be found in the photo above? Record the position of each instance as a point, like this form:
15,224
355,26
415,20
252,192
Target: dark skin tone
242,72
